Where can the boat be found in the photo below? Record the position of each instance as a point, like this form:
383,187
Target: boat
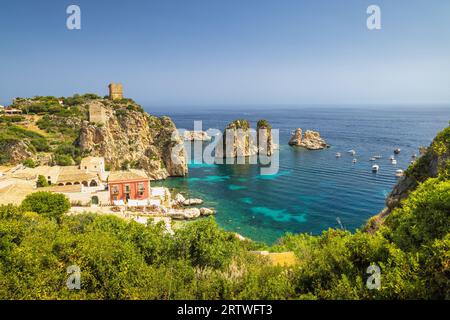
414,156
399,173
378,157
375,168
373,159
397,151
394,161
338,154
391,158
354,160
352,152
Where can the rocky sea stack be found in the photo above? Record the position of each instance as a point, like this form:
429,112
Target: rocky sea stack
240,141
311,140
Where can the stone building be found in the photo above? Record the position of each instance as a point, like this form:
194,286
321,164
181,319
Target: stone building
97,113
115,91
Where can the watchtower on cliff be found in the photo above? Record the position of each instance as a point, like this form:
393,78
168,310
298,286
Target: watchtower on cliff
115,91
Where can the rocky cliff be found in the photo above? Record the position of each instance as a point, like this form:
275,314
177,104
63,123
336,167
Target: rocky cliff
435,162
63,130
132,138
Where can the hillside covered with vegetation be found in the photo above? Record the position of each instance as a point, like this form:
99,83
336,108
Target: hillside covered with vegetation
127,260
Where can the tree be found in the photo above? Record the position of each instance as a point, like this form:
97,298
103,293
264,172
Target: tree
41,182
51,205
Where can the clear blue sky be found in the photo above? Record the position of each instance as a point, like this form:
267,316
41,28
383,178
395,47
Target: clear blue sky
229,52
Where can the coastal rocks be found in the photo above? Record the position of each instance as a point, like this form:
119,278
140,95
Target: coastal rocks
179,199
206,211
196,136
129,137
192,202
189,214
311,140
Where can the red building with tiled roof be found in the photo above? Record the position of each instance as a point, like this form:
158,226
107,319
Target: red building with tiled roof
128,185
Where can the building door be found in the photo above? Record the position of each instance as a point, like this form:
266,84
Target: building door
94,200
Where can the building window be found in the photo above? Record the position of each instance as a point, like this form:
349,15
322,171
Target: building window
141,189
115,189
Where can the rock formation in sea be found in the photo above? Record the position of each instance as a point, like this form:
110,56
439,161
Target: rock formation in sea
240,140
311,140
264,137
196,136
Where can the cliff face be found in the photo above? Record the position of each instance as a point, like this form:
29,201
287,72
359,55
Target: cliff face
433,163
130,138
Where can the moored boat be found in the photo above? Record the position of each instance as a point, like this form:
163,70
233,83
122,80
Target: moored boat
375,168
397,151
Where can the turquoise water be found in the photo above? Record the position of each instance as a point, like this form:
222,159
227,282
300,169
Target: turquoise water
312,189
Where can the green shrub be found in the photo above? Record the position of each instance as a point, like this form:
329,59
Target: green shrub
41,182
29,163
50,205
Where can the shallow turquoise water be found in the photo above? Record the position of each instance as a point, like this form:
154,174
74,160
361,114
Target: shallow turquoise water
312,189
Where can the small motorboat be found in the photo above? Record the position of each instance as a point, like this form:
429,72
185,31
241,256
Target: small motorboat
378,157
375,168
354,160
352,152
373,159
391,158
394,161
397,151
414,156
338,154
399,173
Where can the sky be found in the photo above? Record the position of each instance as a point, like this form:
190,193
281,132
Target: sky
181,53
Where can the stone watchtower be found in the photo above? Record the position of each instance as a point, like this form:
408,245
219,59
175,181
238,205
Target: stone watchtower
115,91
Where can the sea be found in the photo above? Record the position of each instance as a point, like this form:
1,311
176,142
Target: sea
312,190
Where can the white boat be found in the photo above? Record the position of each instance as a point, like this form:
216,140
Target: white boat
394,161
397,151
375,168
378,157
414,156
354,160
391,158
373,159
352,152
338,154
399,173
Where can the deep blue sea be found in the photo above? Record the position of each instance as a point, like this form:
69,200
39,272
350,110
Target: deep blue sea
313,190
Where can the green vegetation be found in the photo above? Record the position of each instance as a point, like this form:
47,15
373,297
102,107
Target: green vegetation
263,124
29,163
47,204
239,124
41,182
63,160
127,260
